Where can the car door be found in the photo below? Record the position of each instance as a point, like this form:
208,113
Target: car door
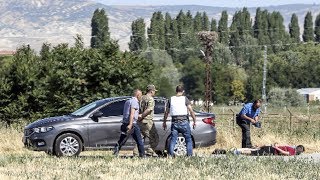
106,131
159,109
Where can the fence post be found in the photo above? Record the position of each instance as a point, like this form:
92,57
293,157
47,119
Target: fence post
233,118
290,119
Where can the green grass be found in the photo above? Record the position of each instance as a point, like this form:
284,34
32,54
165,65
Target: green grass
101,165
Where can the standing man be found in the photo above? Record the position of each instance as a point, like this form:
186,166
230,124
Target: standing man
178,107
248,114
145,122
129,124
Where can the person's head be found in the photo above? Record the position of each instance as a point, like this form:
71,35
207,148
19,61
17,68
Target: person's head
257,103
137,93
151,89
179,89
299,149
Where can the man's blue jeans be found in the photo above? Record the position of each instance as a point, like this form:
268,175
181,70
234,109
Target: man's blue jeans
135,133
182,127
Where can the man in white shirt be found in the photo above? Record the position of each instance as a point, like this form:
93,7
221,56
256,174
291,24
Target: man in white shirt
178,106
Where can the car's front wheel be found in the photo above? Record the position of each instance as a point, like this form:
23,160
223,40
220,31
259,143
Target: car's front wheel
68,145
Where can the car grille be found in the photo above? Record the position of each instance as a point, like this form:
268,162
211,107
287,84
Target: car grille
28,132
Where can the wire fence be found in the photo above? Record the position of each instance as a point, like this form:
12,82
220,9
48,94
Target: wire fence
293,120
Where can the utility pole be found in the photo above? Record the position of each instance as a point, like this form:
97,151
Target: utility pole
264,96
208,39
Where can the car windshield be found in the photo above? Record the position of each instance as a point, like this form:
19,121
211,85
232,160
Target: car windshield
88,108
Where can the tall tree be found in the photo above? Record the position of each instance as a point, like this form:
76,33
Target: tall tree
213,25
235,29
171,32
294,28
245,22
205,22
277,32
100,29
223,28
175,33
260,27
156,32
241,35
138,40
308,33
187,36
317,28
197,22
189,20
181,21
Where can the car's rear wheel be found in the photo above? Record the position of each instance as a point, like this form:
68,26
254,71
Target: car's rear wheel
68,145
180,149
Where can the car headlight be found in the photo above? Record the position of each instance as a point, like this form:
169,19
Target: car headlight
42,129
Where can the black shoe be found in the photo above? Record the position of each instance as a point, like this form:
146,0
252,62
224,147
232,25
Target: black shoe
116,150
219,151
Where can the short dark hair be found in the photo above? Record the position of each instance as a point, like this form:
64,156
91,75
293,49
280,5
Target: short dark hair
302,147
179,88
135,92
257,100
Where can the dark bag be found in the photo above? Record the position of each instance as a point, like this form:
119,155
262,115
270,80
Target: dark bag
257,124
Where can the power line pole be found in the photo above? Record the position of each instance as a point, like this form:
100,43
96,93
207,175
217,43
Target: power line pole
264,96
208,38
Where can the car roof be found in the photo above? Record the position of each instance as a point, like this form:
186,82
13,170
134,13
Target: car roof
127,97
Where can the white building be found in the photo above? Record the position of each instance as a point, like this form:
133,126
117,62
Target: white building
310,94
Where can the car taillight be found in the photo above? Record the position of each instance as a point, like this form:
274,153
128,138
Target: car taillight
209,120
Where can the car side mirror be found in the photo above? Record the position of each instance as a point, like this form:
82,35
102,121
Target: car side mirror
95,116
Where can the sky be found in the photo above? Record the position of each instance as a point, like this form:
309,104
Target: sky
219,3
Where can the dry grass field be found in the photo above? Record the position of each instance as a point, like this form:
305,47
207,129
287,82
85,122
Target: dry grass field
19,163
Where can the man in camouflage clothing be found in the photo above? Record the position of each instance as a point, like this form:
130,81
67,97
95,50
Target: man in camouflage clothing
145,122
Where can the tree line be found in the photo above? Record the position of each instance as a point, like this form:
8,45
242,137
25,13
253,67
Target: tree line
61,78
238,55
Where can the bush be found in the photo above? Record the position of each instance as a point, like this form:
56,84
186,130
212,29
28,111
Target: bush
280,97
63,78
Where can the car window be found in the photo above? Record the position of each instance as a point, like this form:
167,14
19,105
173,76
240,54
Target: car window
159,106
88,108
113,109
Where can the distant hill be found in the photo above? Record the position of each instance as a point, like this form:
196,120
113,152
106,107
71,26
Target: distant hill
55,21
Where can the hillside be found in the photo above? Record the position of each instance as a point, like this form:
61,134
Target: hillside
55,21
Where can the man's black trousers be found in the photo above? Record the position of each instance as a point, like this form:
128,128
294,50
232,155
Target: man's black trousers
246,139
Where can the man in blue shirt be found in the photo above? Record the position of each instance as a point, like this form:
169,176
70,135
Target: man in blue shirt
248,114
129,124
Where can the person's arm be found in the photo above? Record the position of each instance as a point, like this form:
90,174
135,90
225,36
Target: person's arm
244,116
132,111
166,113
192,115
256,118
282,152
149,109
